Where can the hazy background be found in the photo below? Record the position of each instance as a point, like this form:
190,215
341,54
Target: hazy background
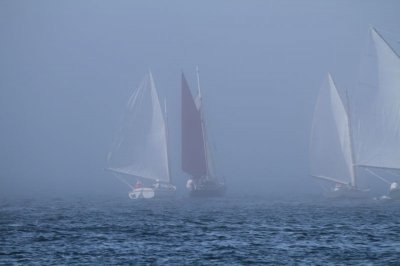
67,67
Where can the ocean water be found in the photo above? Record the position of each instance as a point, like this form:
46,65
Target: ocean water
230,230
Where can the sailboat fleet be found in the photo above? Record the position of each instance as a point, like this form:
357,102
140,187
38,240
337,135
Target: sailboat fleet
358,131
354,133
141,152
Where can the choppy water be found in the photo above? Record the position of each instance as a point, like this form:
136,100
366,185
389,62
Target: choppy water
212,231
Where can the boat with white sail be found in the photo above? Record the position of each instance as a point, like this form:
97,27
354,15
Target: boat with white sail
332,157
140,150
196,151
376,107
361,135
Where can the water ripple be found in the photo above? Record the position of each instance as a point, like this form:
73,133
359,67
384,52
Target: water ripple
226,231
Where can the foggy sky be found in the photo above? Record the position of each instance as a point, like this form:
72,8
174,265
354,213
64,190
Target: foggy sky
67,68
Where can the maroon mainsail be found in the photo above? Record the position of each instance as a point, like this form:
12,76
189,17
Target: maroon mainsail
194,161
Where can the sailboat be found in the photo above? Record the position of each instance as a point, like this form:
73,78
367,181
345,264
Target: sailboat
140,149
332,156
376,108
366,134
196,151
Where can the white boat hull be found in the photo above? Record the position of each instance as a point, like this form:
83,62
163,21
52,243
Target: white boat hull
348,193
394,194
208,192
151,193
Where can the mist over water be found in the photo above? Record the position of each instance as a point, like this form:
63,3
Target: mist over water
67,70
116,230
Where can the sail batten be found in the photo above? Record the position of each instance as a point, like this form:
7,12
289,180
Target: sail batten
140,147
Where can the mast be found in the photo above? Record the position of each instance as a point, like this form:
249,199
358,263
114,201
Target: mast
353,159
330,151
203,128
167,142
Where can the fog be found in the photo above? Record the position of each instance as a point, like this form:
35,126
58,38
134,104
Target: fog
67,69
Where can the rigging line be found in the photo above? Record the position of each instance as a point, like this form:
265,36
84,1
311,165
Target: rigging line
378,167
392,172
378,176
322,186
387,43
330,179
123,180
391,33
203,126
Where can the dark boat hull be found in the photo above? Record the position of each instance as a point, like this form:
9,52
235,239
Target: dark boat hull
208,192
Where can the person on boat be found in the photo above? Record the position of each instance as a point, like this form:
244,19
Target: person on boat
138,184
394,186
190,184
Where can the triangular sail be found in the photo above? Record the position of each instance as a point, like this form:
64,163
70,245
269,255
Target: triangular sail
140,148
330,149
193,145
376,106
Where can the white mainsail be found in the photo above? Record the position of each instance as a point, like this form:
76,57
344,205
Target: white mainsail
140,148
376,106
331,154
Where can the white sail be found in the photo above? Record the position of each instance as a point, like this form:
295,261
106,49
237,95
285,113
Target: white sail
330,148
140,148
376,106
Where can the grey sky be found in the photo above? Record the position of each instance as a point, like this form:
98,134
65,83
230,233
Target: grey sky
67,67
